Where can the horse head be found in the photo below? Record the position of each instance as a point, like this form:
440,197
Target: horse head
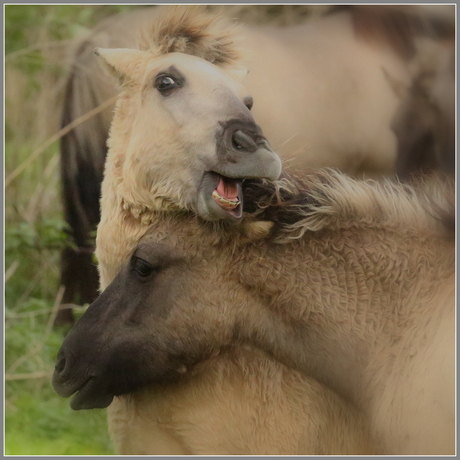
151,325
183,135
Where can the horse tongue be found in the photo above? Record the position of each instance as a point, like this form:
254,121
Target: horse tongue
227,189
226,195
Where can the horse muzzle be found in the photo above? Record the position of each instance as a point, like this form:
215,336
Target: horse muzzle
243,152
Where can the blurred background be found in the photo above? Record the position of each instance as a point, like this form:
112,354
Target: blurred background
39,44
38,40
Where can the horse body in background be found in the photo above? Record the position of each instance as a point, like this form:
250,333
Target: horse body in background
318,89
424,123
352,283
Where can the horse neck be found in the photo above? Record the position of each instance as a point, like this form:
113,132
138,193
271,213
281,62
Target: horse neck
338,298
128,205
123,223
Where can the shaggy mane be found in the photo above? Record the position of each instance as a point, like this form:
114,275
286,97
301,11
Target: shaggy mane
329,199
196,31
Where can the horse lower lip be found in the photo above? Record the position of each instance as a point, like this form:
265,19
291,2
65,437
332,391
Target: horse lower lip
65,386
87,398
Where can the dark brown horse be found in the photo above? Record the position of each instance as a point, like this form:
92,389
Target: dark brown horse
351,283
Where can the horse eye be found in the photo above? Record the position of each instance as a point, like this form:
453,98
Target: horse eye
142,267
164,83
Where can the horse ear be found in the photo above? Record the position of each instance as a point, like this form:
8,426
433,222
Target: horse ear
237,73
122,63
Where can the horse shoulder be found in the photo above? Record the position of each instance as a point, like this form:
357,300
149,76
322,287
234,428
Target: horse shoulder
417,383
220,413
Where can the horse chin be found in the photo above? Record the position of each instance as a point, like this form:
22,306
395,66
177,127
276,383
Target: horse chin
88,392
212,206
90,397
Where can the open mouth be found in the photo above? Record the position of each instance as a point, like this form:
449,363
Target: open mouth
228,195
220,197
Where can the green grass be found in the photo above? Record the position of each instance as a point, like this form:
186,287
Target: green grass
37,420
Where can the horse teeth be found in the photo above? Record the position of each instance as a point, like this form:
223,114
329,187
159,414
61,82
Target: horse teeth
224,201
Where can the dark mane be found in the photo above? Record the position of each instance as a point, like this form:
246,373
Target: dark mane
283,202
330,199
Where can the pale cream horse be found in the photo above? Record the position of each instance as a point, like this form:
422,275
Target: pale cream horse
182,138
318,88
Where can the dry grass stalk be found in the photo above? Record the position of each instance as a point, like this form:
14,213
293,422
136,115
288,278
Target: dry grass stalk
39,46
39,201
47,311
29,376
54,138
11,270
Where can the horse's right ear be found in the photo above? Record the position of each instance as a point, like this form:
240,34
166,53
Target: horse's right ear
124,64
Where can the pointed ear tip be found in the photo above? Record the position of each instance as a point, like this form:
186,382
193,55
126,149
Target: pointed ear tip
100,52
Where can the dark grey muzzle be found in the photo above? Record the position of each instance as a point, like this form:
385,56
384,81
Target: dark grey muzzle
244,152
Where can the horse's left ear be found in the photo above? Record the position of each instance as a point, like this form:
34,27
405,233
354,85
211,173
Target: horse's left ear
237,73
122,63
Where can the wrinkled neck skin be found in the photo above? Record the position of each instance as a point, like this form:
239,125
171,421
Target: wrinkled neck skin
341,311
372,321
332,308
128,181
307,325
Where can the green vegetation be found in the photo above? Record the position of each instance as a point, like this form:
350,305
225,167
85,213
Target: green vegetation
37,421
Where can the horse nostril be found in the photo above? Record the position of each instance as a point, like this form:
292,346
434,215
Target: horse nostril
60,363
243,141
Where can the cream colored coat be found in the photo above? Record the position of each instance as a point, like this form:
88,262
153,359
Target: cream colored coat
264,408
